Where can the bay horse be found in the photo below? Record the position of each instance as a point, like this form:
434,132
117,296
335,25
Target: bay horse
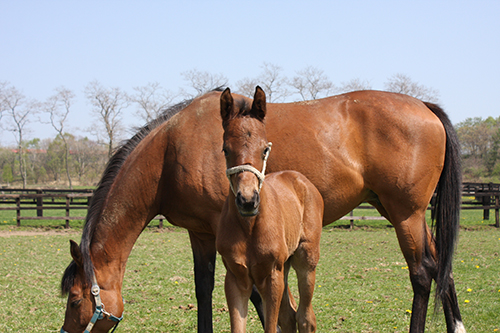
268,222
388,149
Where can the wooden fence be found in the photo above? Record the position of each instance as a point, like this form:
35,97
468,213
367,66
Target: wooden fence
41,202
477,196
49,199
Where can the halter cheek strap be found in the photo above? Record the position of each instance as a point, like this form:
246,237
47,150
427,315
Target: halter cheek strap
241,168
100,312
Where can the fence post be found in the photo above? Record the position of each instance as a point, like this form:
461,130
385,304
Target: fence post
486,203
352,221
39,203
160,224
497,219
18,210
67,212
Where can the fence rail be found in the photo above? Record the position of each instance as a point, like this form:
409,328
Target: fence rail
478,196
38,202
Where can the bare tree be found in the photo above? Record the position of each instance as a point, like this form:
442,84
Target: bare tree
151,99
270,79
19,111
312,83
353,85
3,103
108,105
403,84
274,83
203,82
58,107
246,86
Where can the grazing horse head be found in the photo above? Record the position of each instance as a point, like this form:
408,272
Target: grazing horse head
244,127
89,308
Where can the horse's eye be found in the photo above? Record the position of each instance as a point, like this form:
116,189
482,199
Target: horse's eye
224,150
76,303
266,151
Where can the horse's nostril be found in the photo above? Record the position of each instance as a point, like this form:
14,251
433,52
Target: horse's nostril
256,199
248,207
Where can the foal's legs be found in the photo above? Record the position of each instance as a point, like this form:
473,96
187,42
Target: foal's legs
304,262
204,256
273,289
237,296
287,313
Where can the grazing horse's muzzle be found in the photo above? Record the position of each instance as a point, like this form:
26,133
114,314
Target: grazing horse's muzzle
99,313
248,207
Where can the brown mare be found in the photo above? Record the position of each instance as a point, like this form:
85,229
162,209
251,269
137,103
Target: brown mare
266,225
388,149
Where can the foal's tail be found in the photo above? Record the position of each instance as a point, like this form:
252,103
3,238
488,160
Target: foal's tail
447,213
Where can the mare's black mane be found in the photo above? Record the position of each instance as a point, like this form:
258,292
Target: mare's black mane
97,203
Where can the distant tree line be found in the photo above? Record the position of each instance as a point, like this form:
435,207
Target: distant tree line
69,158
49,162
480,143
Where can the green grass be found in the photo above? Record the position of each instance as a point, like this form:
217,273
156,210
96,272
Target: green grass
362,283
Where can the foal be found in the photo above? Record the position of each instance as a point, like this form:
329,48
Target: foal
265,226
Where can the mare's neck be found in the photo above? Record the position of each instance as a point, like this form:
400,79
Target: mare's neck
128,207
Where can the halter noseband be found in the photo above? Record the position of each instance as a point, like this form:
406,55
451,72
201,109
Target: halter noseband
241,168
100,312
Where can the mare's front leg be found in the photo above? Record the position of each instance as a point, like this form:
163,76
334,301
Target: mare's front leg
204,255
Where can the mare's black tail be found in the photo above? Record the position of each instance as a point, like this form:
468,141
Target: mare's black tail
448,200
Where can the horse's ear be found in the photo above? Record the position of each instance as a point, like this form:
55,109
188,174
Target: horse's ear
226,105
259,104
76,253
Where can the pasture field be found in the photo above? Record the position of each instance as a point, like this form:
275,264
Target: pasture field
362,280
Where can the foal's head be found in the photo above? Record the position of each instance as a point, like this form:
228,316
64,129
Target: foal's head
245,147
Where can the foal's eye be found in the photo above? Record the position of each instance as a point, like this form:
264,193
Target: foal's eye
266,151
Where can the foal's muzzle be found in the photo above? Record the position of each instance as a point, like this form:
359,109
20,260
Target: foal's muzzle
248,208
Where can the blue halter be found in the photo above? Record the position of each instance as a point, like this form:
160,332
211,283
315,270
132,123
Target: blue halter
100,312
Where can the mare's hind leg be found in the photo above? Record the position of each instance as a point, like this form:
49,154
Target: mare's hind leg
450,303
419,249
451,310
413,236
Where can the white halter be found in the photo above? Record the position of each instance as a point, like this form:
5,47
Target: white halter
241,168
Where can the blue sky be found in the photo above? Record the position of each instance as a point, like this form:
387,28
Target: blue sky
451,46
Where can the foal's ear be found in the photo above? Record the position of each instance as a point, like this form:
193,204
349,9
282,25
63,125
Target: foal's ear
76,253
226,105
259,104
